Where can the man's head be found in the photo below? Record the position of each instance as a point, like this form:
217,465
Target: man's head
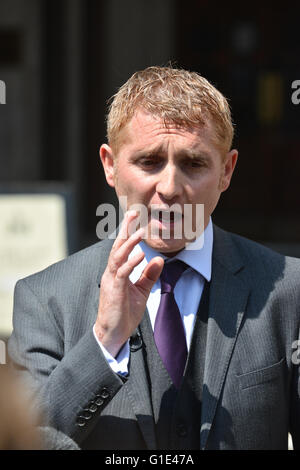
169,135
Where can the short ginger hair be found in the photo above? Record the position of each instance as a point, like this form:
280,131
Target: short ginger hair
174,95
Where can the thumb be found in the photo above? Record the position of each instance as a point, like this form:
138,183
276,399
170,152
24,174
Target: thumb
150,274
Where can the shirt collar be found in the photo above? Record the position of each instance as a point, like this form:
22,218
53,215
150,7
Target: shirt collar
197,255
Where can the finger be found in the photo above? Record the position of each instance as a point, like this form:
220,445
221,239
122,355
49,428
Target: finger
126,269
150,274
120,256
124,231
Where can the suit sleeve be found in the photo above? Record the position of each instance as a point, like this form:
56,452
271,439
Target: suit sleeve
295,408
71,389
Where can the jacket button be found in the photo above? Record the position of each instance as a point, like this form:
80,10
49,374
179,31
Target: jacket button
80,421
86,414
181,430
104,393
99,401
93,407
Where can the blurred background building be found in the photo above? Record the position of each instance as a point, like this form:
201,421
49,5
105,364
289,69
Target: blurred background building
62,59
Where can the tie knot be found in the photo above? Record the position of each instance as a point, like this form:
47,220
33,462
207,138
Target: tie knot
170,275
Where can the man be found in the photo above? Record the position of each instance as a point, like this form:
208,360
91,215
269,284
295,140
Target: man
200,359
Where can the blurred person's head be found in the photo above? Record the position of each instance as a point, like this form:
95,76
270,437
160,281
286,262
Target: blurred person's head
21,428
18,429
169,138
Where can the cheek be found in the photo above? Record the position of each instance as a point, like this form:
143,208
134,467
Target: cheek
206,189
132,185
124,178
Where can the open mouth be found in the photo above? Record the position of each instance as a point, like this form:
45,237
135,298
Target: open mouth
165,216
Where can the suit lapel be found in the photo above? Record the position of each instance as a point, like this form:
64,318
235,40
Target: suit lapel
228,299
105,249
139,392
106,246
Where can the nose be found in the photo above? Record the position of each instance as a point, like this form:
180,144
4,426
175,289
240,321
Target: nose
169,185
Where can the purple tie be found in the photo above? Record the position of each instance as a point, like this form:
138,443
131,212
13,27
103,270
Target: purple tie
169,332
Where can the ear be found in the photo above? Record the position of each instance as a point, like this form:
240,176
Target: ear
107,159
228,168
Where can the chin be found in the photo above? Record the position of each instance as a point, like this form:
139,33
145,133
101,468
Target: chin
166,247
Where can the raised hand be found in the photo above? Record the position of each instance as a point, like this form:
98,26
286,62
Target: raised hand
122,303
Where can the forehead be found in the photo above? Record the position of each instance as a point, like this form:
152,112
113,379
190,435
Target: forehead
146,131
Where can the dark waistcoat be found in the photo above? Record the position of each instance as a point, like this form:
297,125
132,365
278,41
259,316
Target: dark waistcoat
177,413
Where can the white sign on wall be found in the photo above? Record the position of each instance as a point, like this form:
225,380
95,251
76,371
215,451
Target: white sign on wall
32,236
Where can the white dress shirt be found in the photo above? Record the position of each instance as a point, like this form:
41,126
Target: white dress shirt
187,292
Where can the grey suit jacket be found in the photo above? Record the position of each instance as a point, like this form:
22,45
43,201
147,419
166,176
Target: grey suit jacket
251,392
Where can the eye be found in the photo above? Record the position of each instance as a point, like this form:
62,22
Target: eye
194,163
149,162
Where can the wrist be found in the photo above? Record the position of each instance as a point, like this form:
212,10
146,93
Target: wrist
108,341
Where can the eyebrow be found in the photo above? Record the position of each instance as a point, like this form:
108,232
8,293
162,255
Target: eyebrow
194,154
186,153
150,152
